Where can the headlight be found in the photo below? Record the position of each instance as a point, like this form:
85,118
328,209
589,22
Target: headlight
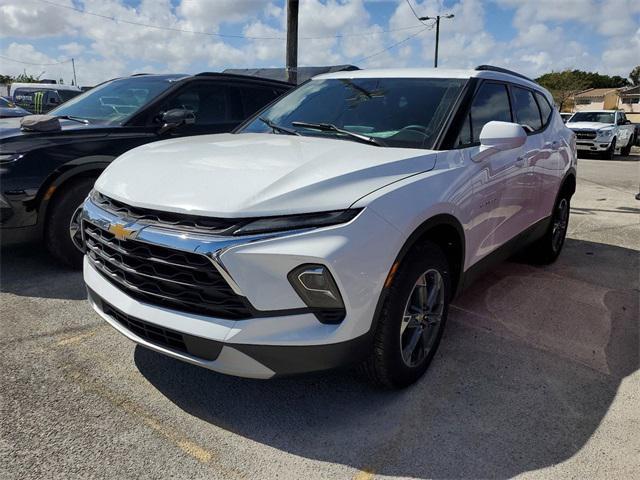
9,157
605,133
296,222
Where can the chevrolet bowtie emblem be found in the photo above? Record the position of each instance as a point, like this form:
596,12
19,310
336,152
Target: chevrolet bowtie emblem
121,232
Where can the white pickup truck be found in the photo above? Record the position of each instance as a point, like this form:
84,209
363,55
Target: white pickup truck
602,131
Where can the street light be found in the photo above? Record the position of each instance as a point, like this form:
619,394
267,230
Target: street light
437,19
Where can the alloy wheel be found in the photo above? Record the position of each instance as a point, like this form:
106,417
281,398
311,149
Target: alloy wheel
422,318
560,223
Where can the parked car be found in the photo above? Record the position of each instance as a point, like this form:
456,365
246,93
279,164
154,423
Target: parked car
46,174
602,132
40,98
636,134
334,227
8,109
565,116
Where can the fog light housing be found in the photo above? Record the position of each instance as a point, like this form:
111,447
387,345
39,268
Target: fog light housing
318,290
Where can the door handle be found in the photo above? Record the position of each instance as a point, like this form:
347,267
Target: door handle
520,161
555,145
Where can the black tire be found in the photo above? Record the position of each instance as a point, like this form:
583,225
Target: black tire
56,234
385,365
626,151
609,153
546,250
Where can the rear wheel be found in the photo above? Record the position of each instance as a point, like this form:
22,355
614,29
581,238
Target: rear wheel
57,237
412,320
548,248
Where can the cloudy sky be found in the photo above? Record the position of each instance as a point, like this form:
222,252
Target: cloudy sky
108,38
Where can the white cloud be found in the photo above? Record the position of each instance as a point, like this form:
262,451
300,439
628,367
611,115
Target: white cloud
350,34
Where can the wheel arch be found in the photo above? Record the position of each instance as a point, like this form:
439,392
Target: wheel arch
56,182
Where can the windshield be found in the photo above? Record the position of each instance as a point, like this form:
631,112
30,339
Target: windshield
400,112
601,117
114,102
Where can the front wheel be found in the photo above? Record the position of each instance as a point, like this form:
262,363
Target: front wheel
608,154
64,204
626,151
412,320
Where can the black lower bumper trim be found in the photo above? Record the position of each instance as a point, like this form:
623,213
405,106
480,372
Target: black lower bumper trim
281,359
199,347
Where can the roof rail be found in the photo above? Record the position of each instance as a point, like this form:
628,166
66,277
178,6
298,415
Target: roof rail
491,68
241,77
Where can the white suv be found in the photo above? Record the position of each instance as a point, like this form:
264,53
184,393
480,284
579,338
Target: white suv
334,227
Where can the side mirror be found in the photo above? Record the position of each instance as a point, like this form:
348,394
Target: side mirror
176,117
627,122
499,137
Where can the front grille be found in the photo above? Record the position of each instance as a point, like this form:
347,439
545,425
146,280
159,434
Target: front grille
181,221
163,276
586,135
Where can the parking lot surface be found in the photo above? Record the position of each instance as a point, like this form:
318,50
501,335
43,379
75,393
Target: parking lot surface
537,376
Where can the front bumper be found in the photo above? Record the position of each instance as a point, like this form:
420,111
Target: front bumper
359,255
593,145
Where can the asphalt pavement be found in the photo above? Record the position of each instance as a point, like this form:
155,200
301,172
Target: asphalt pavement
537,376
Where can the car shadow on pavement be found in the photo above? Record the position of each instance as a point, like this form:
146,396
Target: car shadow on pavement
530,363
29,271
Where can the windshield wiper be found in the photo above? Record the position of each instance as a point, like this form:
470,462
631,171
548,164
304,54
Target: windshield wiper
330,127
277,128
75,119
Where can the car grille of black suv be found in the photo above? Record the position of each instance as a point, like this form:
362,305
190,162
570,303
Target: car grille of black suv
586,135
219,226
163,276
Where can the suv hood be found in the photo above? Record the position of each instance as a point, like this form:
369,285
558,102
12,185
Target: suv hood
14,140
256,174
589,125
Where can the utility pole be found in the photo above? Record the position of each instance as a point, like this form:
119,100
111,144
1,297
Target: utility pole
73,64
437,19
292,41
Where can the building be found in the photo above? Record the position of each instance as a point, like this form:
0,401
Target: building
627,99
630,103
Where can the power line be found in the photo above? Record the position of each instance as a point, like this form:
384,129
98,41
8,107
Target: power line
215,34
414,12
359,60
37,64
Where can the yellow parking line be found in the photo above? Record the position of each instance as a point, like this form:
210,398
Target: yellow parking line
75,338
366,474
120,401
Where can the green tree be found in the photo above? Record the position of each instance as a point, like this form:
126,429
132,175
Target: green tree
635,75
563,86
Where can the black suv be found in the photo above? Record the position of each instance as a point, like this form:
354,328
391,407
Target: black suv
45,175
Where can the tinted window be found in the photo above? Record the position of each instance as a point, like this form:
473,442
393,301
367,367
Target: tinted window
526,109
254,98
211,102
402,112
545,108
490,103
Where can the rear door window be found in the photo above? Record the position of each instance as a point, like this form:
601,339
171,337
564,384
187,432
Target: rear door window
526,109
255,98
545,108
